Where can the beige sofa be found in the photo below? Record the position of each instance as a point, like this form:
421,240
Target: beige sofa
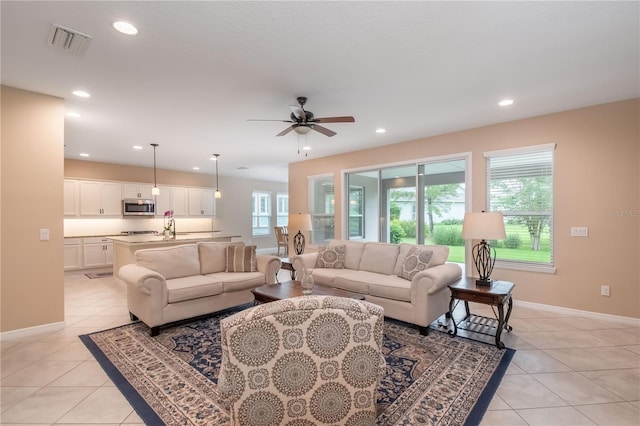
409,281
170,284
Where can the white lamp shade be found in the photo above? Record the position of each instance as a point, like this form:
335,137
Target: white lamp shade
483,226
300,222
155,191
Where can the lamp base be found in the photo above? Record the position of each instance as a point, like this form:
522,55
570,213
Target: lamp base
484,282
298,243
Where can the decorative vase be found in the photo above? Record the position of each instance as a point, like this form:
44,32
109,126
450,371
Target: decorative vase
167,234
307,282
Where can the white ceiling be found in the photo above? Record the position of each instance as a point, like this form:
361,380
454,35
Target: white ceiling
198,70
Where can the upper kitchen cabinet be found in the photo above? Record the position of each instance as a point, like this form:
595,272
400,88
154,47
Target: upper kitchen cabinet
100,198
71,198
135,190
179,201
201,202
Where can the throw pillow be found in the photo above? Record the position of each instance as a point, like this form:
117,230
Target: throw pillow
417,260
241,258
330,257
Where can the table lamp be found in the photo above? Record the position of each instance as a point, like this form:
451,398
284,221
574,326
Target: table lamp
483,226
301,222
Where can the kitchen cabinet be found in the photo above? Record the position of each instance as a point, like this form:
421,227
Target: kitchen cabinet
100,198
201,202
179,201
71,198
72,253
163,200
135,190
97,251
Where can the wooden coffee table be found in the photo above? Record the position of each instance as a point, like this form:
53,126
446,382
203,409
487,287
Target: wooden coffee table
272,292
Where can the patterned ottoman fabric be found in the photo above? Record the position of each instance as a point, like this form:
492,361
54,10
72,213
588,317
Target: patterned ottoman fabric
304,360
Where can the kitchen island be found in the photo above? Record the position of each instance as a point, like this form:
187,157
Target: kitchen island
125,246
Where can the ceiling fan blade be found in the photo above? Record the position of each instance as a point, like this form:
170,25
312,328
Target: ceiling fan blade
285,131
323,130
298,112
345,119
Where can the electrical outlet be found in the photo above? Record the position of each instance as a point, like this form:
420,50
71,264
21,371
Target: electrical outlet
604,290
579,231
44,234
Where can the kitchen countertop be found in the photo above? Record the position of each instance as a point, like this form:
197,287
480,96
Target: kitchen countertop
188,236
124,234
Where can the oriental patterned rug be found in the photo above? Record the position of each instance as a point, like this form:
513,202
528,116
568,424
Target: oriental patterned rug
172,378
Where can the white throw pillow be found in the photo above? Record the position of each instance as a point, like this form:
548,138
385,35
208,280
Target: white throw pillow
417,260
330,257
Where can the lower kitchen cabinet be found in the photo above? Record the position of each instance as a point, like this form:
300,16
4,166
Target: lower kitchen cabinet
72,253
97,251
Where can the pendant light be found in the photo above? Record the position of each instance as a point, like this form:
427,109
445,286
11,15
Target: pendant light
218,194
154,190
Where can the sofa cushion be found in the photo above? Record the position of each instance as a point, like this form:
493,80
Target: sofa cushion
416,260
170,262
241,259
390,287
352,252
330,257
238,281
213,256
439,256
194,287
379,257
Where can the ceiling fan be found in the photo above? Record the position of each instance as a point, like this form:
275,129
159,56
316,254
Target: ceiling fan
304,121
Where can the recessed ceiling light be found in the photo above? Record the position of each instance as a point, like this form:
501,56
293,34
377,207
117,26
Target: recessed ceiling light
381,130
84,154
81,94
196,168
242,168
125,28
74,114
138,147
505,102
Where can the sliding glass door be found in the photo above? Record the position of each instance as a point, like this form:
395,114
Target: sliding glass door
421,203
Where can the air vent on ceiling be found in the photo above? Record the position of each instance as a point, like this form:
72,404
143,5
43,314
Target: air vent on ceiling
68,40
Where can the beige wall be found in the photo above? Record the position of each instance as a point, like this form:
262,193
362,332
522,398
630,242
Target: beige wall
32,280
597,184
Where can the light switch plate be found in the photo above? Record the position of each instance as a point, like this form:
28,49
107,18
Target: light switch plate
579,231
44,234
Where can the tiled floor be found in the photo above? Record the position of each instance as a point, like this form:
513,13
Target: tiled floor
568,370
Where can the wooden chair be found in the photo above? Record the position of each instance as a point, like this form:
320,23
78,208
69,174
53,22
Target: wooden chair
282,239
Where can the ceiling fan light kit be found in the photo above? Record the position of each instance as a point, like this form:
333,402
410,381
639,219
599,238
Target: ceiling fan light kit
303,122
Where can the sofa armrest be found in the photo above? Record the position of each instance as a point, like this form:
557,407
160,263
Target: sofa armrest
436,278
269,266
304,261
144,280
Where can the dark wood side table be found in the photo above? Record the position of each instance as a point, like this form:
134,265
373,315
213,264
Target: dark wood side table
286,263
496,295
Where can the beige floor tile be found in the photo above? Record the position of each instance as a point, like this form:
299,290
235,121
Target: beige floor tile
88,373
91,409
498,403
73,351
579,359
502,418
633,348
619,414
537,361
46,405
133,419
624,383
618,357
523,391
576,389
12,395
40,373
560,416
619,337
7,368
551,324
33,351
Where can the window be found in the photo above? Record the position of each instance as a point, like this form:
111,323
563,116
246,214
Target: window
322,208
282,201
356,212
261,213
520,185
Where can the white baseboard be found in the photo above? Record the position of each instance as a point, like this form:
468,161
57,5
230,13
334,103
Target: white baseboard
577,312
31,331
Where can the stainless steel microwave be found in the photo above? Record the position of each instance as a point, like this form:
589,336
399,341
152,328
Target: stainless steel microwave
138,207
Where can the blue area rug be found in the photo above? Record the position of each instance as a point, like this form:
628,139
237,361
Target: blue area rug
172,378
